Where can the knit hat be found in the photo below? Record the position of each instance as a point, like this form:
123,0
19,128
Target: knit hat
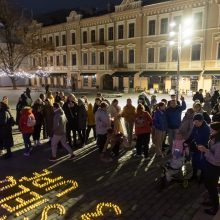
198,117
215,126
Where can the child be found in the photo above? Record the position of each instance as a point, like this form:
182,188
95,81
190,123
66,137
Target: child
26,124
115,141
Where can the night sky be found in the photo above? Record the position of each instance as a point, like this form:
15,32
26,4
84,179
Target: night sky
51,5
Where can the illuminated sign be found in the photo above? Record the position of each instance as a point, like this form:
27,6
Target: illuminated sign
23,199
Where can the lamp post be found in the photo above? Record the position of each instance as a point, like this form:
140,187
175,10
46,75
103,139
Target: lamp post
181,38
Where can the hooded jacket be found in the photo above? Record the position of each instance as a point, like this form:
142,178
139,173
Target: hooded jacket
102,121
59,122
26,114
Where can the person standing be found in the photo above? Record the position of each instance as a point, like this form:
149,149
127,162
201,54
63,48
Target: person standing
173,114
129,116
90,122
103,122
199,96
26,124
59,132
207,103
6,123
143,124
159,127
212,168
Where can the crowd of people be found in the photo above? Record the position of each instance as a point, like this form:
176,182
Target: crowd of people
68,121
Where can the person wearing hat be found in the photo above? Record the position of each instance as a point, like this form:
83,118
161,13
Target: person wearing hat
199,136
59,132
212,168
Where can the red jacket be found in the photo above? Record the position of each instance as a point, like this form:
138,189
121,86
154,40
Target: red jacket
25,115
143,123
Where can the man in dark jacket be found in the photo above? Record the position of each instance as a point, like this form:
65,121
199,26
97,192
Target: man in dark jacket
173,114
199,96
70,109
199,136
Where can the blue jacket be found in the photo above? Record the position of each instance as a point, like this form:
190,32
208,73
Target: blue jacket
174,115
160,120
200,135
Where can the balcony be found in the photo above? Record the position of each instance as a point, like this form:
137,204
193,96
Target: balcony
99,43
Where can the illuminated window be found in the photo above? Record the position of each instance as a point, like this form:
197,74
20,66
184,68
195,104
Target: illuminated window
196,52
164,26
85,81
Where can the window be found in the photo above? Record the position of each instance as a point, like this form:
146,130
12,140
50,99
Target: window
73,38
177,20
58,60
51,60
84,37
74,59
120,58
164,26
152,27
94,81
131,30
93,58
150,55
120,31
110,57
51,40
197,20
131,56
45,40
110,33
174,54
101,58
163,54
218,55
57,41
196,52
45,61
101,35
64,60
63,40
85,81
85,59
93,36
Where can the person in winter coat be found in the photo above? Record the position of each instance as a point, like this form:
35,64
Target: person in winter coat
90,122
6,123
199,96
59,132
187,123
97,104
214,99
173,114
216,107
129,116
103,122
70,109
26,124
82,120
48,117
50,98
37,110
142,101
207,103
114,110
159,127
199,136
212,168
198,109
143,124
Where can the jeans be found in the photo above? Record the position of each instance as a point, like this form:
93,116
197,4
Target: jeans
27,142
142,144
36,133
129,129
55,140
70,139
158,140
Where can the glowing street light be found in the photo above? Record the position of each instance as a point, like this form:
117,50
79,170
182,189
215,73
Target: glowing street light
181,37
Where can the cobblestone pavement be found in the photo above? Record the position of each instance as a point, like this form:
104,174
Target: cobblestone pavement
128,183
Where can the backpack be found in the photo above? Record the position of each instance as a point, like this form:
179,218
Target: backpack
31,121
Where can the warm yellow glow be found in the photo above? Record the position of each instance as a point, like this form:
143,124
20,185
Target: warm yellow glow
60,208
8,179
99,211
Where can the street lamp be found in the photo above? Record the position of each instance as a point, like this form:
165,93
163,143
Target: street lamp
180,38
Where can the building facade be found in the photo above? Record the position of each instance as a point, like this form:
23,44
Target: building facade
128,49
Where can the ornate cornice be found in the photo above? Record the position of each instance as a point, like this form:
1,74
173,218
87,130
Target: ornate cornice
128,5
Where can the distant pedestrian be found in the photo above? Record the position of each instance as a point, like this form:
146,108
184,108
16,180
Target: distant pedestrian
207,103
199,96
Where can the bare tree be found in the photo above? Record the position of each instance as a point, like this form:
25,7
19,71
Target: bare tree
19,38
